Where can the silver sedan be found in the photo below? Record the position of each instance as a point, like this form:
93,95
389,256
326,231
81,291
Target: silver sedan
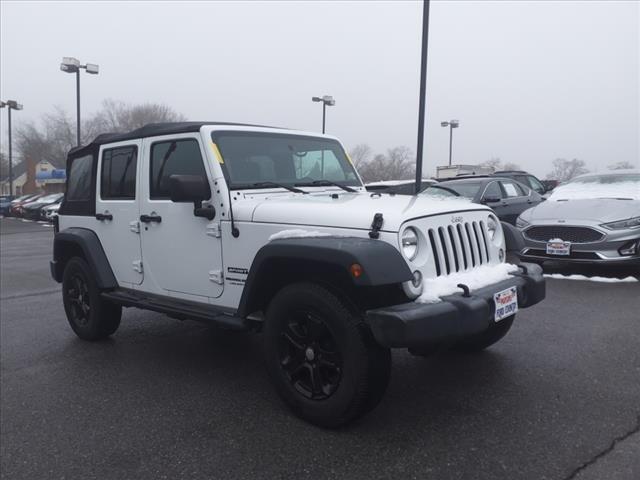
595,218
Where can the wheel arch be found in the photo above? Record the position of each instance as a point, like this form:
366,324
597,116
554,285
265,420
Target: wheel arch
324,260
84,243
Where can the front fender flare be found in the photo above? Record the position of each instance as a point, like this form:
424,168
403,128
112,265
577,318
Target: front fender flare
382,264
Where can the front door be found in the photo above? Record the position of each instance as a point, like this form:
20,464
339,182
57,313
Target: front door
182,253
515,199
117,195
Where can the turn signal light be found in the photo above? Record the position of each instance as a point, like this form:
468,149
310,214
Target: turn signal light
356,270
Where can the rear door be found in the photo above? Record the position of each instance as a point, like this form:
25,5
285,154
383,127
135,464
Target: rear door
182,253
515,200
116,217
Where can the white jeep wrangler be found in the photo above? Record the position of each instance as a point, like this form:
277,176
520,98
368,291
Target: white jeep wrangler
272,230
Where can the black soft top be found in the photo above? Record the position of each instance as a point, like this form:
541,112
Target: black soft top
152,130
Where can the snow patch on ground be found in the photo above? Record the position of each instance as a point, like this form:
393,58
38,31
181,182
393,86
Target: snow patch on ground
559,276
479,277
299,233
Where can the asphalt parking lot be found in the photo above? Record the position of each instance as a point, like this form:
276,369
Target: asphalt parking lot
558,398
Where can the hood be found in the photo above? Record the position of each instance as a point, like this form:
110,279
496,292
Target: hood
348,210
601,210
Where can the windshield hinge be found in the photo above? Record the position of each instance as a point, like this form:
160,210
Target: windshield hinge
376,225
134,226
214,230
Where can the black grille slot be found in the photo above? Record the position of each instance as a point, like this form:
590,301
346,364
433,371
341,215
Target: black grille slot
434,250
464,250
445,252
473,256
477,237
544,233
455,249
484,239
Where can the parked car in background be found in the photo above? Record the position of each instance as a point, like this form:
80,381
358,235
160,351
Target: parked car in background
15,209
5,203
49,212
507,197
550,184
524,178
31,210
401,187
594,218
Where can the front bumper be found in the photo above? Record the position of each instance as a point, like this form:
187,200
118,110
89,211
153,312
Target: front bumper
415,325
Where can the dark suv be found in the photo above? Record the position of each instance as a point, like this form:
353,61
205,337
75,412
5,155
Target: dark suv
523,177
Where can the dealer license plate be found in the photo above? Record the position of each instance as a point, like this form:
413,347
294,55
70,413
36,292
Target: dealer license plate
558,248
506,303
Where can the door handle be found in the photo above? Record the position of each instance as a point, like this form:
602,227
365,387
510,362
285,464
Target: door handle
104,216
150,218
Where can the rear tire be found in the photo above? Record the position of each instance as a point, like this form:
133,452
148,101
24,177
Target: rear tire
90,317
479,342
321,356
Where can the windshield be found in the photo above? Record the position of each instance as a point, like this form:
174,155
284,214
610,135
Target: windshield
626,186
440,191
252,159
466,189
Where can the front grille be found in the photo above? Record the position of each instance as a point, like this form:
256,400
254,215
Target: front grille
544,233
460,247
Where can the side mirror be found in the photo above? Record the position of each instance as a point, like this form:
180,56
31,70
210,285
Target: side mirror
491,199
192,188
188,188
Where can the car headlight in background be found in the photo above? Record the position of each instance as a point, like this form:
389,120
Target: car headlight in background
520,223
409,243
621,224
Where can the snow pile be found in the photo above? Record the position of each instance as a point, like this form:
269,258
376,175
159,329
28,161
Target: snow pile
588,190
299,233
559,276
434,288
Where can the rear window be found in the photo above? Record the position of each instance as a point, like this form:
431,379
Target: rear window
118,173
79,179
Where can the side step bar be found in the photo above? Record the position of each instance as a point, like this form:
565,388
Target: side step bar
177,308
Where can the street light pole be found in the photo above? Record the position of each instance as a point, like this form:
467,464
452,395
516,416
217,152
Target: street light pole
423,90
327,100
72,65
78,107
11,105
451,124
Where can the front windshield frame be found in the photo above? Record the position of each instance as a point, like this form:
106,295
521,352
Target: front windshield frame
217,136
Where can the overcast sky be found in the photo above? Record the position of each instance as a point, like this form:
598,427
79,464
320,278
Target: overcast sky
529,81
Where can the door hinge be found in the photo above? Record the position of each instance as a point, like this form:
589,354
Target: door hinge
216,276
137,265
134,226
214,230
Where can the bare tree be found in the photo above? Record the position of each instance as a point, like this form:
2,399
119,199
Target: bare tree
564,170
117,116
397,164
4,165
496,164
360,154
55,134
621,166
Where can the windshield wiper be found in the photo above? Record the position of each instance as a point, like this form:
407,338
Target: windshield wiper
279,185
327,183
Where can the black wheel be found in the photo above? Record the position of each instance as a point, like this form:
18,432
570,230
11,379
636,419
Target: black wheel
485,339
90,317
321,357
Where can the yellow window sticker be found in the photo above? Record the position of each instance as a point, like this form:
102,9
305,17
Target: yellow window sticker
216,152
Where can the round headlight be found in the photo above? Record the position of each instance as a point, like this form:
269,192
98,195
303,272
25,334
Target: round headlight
492,226
409,243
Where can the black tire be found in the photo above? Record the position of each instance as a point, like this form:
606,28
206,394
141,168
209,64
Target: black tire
90,317
311,333
483,340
